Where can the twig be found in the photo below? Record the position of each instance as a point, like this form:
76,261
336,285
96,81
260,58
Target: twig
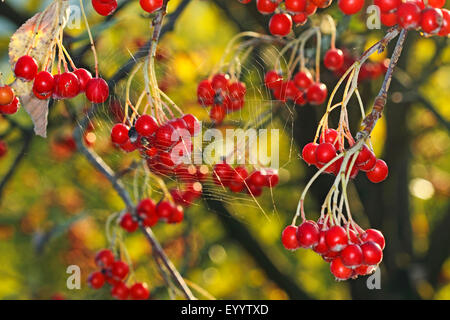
371,119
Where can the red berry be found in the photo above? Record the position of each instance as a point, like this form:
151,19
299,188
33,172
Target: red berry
266,6
119,134
295,6
104,8
220,82
325,152
128,223
375,236
289,238
280,24
369,164
339,270
364,155
431,20
445,28
330,136
389,19
217,114
151,5
96,280
139,291
26,68
254,190
436,3
379,172
104,258
272,178
336,238
273,80
308,234
321,246
205,93
164,210
300,18
119,270
309,153
311,8
192,124
257,179
364,270
10,108
128,146
237,90
387,5
334,59
177,215
222,174
350,7
146,210
352,256
372,253
97,90
6,95
317,93
166,137
83,78
146,125
303,79
44,83
120,291
408,15
68,85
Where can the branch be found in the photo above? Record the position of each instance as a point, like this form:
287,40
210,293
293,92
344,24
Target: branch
371,119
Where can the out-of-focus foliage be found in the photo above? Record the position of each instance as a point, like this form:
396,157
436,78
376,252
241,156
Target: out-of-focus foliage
54,209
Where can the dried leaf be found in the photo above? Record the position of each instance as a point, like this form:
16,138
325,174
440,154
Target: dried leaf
39,33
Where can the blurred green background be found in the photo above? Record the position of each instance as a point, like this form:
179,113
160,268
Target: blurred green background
54,205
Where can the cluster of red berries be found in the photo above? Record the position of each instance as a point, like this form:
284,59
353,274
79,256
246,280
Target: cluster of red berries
413,14
107,7
222,94
320,154
162,145
287,12
370,70
115,273
61,86
148,213
240,180
301,89
9,103
351,253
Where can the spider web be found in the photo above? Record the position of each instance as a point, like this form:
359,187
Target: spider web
258,103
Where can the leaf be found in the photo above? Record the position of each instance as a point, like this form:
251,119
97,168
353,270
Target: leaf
39,33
